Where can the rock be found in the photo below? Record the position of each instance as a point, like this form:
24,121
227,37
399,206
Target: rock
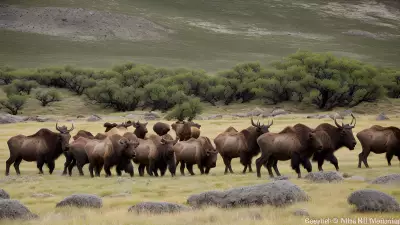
356,178
4,194
241,115
387,179
276,193
131,116
373,201
281,178
322,176
301,212
255,112
13,209
41,195
213,117
82,201
318,116
158,207
346,112
346,175
80,116
152,114
93,118
37,119
8,118
277,112
336,115
382,116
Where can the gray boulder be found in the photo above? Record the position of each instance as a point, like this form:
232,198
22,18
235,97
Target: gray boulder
93,118
82,201
213,117
37,119
387,179
42,195
152,115
13,209
280,178
240,115
158,207
301,212
276,193
4,194
336,115
322,176
318,116
373,201
255,112
8,118
277,112
382,116
356,178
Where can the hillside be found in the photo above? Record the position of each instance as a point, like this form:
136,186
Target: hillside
210,35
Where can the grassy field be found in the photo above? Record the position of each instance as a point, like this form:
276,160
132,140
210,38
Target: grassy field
327,200
213,35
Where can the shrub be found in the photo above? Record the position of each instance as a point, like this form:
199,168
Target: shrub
13,103
186,110
46,96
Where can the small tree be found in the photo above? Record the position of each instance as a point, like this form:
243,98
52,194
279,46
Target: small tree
13,103
188,109
20,87
46,96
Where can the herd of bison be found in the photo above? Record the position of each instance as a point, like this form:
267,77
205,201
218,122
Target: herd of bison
119,147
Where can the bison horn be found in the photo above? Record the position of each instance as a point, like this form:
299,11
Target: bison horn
355,121
337,124
57,128
270,124
252,122
72,128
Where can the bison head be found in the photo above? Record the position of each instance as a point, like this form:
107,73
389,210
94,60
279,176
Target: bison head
109,126
315,141
262,128
140,129
128,147
64,136
346,133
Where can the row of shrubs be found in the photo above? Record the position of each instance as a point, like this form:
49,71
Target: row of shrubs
320,79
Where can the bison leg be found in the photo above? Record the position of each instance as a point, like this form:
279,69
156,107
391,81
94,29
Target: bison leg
201,168
91,166
118,170
189,167
295,161
270,163
172,168
9,162
141,169
40,163
389,157
207,170
182,168
68,160
332,159
16,165
71,166
107,167
129,169
261,161
98,169
320,161
51,165
250,169
275,166
226,162
79,165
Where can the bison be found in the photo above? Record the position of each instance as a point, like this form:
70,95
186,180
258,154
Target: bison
83,133
196,151
243,144
140,129
337,136
109,126
378,139
163,157
45,146
161,128
109,152
297,143
183,129
194,132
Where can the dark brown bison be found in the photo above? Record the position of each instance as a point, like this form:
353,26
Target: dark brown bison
337,136
196,151
194,132
243,144
142,155
109,152
140,129
45,146
161,128
183,129
378,139
297,143
83,133
109,126
163,157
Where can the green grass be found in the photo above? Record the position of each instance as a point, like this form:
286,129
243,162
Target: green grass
213,35
327,200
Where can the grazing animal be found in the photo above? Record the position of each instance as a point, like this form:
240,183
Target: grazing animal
297,143
109,126
109,152
140,129
83,133
196,151
194,132
232,144
183,129
45,146
163,157
142,155
161,128
378,139
337,136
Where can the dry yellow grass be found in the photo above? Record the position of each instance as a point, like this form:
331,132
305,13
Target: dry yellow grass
327,200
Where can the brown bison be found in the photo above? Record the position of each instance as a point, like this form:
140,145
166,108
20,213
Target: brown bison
83,133
183,129
297,143
109,126
140,129
337,136
243,144
164,156
378,139
45,146
142,155
109,152
196,151
194,132
161,128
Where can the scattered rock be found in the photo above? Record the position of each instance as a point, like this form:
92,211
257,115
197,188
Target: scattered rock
4,194
13,209
322,176
80,116
373,201
151,116
8,118
387,179
158,207
82,200
41,195
241,115
281,178
93,118
346,175
346,112
318,116
301,212
255,112
336,115
277,112
276,193
20,179
356,178
131,116
382,116
213,117
37,119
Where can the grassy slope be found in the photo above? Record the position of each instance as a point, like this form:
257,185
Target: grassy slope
212,34
328,200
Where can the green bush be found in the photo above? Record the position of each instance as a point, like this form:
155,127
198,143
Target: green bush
13,103
20,87
186,110
47,96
